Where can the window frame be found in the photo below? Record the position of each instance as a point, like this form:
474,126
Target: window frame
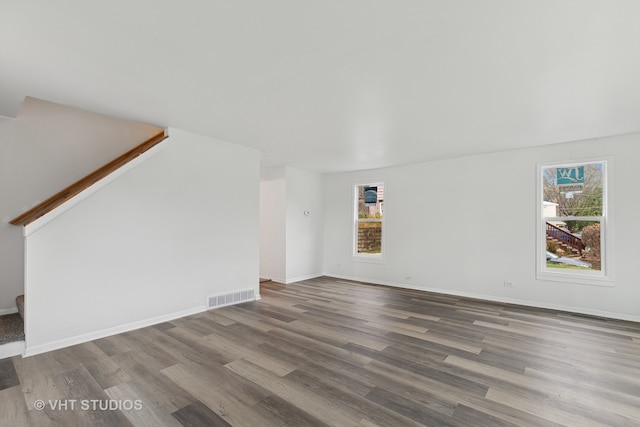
365,257
604,277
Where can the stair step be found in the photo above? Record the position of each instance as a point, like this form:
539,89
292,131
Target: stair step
563,244
20,304
11,328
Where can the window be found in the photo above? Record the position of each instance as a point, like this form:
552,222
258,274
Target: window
368,221
572,232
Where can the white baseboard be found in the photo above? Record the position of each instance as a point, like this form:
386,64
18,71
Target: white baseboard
301,278
11,349
536,304
8,311
295,279
54,345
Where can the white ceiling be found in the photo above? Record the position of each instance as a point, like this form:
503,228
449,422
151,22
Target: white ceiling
332,85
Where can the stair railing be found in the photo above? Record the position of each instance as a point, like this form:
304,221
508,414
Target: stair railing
564,237
61,197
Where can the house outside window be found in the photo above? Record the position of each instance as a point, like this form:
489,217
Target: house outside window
368,235
573,228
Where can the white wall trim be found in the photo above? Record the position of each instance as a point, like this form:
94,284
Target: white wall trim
8,311
11,349
50,216
578,310
301,278
32,351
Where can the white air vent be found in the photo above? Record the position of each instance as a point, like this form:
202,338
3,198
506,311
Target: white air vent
214,301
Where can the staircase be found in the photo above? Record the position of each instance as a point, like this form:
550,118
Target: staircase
12,325
568,242
74,134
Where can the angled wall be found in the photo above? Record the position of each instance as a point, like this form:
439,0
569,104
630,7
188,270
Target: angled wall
150,246
47,148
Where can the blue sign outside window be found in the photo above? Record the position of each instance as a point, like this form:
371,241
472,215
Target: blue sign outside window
570,176
370,195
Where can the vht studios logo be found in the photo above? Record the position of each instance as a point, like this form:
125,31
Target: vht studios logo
88,405
570,179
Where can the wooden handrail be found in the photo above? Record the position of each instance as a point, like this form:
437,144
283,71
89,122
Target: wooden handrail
58,199
565,237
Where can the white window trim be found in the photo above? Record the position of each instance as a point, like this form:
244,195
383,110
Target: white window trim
604,277
355,256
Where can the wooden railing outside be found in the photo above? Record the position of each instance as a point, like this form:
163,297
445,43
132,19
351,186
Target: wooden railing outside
564,237
61,197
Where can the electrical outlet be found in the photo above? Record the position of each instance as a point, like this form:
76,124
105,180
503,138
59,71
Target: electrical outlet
508,284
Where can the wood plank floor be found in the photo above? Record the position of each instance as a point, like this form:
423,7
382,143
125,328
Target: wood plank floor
328,352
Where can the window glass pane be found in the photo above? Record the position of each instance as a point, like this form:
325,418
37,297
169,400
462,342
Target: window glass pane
370,211
574,251
370,201
573,191
369,237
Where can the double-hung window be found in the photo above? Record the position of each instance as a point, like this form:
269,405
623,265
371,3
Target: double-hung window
572,227
368,241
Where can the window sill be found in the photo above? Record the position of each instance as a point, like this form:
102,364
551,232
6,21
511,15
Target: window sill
573,278
375,259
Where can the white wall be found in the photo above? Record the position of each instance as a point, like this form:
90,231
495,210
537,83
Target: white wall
273,217
291,242
47,148
304,232
11,242
147,247
466,248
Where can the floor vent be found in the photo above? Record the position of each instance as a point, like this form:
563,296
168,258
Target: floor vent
215,301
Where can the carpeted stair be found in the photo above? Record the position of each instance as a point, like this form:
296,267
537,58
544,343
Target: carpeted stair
12,325
20,304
